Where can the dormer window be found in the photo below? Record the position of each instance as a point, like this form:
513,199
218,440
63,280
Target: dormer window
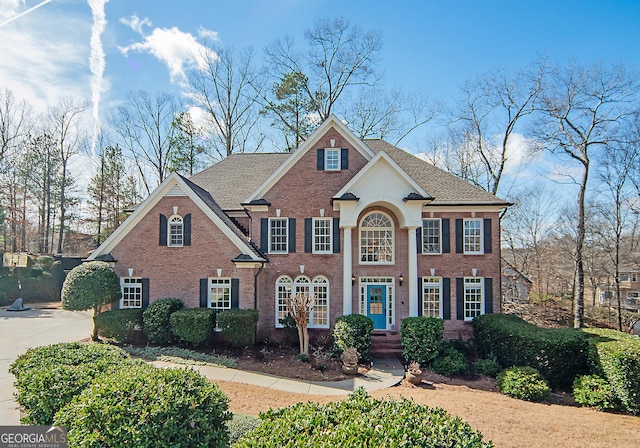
176,231
331,159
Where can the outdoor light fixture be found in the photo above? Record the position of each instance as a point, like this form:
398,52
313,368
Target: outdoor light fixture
353,279
401,279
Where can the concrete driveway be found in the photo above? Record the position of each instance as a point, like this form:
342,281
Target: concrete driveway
32,328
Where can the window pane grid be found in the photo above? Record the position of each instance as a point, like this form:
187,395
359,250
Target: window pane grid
278,235
176,231
319,287
322,235
472,298
431,297
431,236
472,236
376,239
220,293
131,292
332,159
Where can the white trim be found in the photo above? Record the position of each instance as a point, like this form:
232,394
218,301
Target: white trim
468,208
393,235
137,284
439,252
307,145
436,284
338,151
286,236
481,243
219,283
389,282
329,235
464,299
169,220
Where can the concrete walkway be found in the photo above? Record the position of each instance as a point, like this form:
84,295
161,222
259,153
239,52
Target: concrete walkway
37,327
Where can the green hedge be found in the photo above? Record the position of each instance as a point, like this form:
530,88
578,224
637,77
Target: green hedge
559,354
616,356
353,330
238,326
193,326
524,383
144,406
239,425
594,391
451,362
421,338
362,421
156,320
47,378
121,325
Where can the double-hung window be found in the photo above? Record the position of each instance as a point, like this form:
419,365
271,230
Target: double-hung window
432,296
472,236
332,159
431,236
131,292
473,297
322,235
624,277
278,235
176,231
220,293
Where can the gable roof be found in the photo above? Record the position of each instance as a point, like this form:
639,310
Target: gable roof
201,198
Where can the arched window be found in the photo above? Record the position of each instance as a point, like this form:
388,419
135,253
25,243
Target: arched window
376,239
320,315
319,287
176,231
284,285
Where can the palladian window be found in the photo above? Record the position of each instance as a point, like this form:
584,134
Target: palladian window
376,239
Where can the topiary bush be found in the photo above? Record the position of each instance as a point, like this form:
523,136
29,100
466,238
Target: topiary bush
450,363
193,326
421,338
238,326
145,406
156,320
594,391
487,367
362,421
124,326
47,378
89,286
353,330
524,383
239,425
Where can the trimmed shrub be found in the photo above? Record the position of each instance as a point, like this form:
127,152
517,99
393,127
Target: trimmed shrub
239,425
36,272
193,325
594,391
238,326
421,338
559,354
524,383
156,320
451,362
349,423
148,407
124,326
487,367
353,330
47,378
616,356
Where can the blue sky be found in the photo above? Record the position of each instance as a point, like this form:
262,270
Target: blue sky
431,46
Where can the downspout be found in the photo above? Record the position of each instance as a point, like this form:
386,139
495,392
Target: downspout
255,299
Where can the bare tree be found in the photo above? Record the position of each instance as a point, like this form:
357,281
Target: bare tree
300,308
226,87
145,128
582,109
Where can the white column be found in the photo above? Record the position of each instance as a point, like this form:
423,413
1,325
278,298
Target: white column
412,276
347,271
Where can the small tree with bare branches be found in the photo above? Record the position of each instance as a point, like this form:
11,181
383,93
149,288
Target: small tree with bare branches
300,308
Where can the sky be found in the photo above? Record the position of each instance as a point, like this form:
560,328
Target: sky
98,50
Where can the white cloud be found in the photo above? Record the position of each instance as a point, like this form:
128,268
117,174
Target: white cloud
208,34
10,8
177,49
96,63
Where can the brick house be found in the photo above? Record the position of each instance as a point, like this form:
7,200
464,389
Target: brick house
365,226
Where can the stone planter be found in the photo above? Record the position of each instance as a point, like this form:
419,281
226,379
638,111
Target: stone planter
413,376
350,369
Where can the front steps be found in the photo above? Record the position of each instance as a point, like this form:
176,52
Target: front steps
385,345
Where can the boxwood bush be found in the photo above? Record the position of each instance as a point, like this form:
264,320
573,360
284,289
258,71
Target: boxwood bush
559,354
353,330
524,383
238,326
121,325
144,406
239,425
47,378
193,326
487,367
360,420
451,362
594,391
156,320
421,338
616,356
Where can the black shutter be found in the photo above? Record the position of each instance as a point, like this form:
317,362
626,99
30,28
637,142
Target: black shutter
204,292
446,236
335,235
308,235
419,239
116,305
420,296
320,161
344,159
446,298
487,235
163,230
264,235
460,298
145,292
459,239
235,293
292,235
488,295
187,230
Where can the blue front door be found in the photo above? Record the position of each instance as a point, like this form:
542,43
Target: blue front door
376,305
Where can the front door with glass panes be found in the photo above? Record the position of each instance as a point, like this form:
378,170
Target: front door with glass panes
377,305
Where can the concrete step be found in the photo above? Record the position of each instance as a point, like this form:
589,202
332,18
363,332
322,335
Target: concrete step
386,345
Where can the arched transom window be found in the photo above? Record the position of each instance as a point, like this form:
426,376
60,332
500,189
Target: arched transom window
176,231
319,287
376,239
